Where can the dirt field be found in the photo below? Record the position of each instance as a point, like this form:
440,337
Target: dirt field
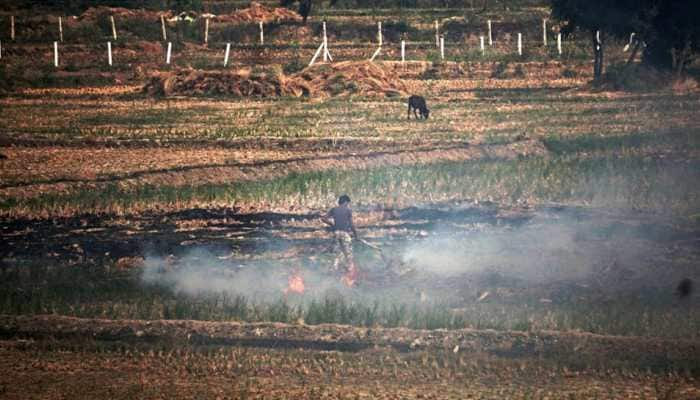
529,240
184,360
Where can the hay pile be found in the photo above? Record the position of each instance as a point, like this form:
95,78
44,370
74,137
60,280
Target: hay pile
351,78
93,14
340,79
257,12
242,83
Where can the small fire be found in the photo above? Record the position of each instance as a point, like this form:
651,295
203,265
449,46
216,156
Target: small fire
295,283
350,276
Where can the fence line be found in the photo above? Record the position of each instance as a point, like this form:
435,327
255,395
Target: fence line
323,48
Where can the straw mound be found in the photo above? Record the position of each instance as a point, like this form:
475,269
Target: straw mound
95,13
351,78
257,12
341,79
240,83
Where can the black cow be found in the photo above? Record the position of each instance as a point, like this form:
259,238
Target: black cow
417,103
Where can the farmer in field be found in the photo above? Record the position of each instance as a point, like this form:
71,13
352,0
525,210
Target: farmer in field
340,220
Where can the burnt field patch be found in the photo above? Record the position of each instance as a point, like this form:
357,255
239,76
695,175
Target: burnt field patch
458,266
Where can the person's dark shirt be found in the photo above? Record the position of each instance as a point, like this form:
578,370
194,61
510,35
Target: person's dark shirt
342,218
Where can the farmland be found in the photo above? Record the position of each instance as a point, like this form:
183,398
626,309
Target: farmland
533,231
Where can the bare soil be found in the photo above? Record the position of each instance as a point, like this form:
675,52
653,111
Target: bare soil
55,357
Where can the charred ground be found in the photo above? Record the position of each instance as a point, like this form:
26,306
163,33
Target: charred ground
537,230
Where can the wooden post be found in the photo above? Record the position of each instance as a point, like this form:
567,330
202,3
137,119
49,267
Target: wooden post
376,53
490,36
55,54
206,31
481,45
109,53
437,34
325,43
226,53
442,47
520,44
597,40
60,29
627,46
326,53
167,55
544,32
559,42
262,34
114,27
379,33
313,59
162,25
12,27
403,51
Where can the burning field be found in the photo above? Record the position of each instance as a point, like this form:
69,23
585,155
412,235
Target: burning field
162,233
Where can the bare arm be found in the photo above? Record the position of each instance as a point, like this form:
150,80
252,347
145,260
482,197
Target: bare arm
327,219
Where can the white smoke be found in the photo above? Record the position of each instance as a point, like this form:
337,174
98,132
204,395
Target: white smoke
201,272
540,251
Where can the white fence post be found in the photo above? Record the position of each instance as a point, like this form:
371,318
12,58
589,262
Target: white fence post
226,53
326,53
114,27
167,55
12,27
442,47
109,53
544,32
520,44
597,40
481,44
206,31
490,35
379,33
55,54
262,37
627,46
313,59
437,34
322,48
162,26
325,43
403,51
60,29
376,53
559,42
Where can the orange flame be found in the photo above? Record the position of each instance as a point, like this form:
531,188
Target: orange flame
350,276
295,283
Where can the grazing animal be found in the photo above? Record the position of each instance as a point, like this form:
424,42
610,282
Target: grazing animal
417,103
